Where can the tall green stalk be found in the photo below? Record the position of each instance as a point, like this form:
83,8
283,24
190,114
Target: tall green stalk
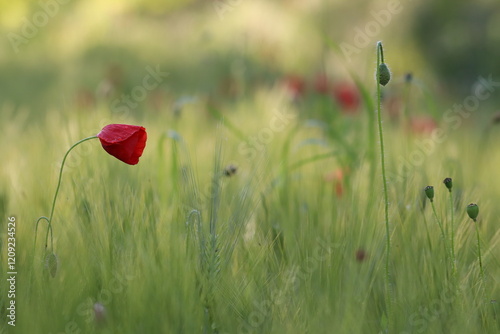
473,211
441,228
448,182
383,76
429,192
479,251
452,236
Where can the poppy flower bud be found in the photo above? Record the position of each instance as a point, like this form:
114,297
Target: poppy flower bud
429,191
51,264
384,74
448,183
472,211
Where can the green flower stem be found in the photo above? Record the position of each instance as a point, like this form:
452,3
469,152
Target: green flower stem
452,238
388,296
36,229
443,234
479,250
381,49
49,220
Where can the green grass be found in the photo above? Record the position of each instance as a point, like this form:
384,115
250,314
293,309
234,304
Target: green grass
174,246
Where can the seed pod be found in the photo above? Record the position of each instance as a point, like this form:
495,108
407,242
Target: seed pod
448,183
429,191
472,211
51,264
384,74
230,170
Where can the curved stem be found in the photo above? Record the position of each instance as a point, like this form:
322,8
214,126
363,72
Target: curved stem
380,57
380,47
36,230
49,228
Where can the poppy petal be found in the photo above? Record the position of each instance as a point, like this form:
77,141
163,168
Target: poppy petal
124,142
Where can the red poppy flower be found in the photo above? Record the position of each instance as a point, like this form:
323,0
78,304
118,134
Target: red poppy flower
422,124
347,97
321,84
337,178
295,86
124,142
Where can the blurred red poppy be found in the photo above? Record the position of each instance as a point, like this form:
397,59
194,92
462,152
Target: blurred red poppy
337,178
347,96
361,255
422,124
295,86
124,142
321,84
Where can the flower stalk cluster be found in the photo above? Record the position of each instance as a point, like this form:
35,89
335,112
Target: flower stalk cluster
449,240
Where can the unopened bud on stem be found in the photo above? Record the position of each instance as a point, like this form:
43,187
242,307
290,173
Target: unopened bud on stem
429,191
473,211
384,74
448,183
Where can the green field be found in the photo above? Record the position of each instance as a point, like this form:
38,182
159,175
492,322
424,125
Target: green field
257,206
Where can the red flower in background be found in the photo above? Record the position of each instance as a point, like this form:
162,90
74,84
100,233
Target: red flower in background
124,142
422,124
347,96
337,178
295,86
321,84
361,255
394,106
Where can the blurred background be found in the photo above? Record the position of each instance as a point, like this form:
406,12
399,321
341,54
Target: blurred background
73,55
180,68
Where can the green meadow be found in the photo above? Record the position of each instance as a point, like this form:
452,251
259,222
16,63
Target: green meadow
258,205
